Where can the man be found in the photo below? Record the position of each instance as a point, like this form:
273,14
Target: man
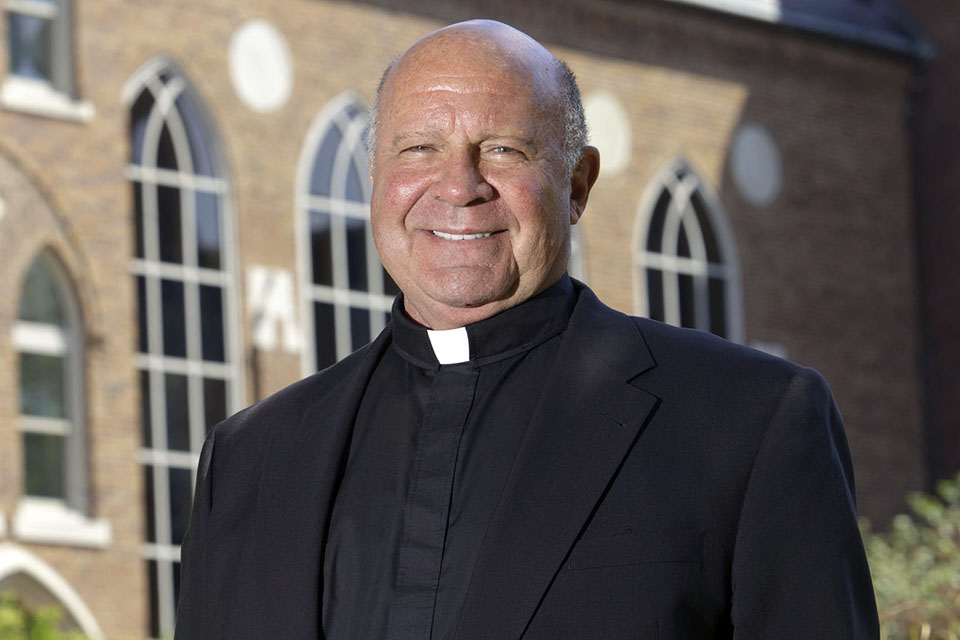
510,458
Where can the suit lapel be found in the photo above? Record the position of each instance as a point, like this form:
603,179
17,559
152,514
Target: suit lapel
587,420
302,471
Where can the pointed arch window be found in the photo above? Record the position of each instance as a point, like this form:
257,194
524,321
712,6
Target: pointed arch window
685,266
48,337
346,291
188,352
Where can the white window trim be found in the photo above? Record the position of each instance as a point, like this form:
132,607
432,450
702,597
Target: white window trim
66,342
51,521
728,270
14,560
339,294
40,98
191,275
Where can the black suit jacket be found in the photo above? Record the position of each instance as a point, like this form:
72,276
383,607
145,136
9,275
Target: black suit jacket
670,485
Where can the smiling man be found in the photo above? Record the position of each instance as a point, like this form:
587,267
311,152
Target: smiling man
510,458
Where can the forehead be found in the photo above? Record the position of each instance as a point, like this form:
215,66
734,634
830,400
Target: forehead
465,73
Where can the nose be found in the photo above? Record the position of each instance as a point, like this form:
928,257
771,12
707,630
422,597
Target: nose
461,183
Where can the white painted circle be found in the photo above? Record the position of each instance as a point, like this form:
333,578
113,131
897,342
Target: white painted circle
610,132
260,66
755,164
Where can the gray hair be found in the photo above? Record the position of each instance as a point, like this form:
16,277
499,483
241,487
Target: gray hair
573,121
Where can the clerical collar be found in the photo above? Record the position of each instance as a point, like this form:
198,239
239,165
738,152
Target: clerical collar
513,331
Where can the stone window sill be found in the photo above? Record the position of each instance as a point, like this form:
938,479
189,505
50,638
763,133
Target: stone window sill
50,521
38,97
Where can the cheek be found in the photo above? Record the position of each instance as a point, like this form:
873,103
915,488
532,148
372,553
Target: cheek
401,189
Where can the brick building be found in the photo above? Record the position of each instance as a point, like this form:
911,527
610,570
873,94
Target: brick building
183,230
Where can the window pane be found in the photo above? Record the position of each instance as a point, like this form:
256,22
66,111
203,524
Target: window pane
706,229
359,327
355,190
683,244
39,299
208,230
43,464
687,310
139,114
325,336
30,44
166,155
178,412
42,386
142,313
168,212
149,513
214,401
174,324
197,136
211,323
655,294
176,583
145,417
154,599
718,315
357,253
657,220
180,487
138,218
323,164
320,248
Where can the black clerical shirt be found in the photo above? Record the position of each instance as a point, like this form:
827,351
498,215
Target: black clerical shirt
431,450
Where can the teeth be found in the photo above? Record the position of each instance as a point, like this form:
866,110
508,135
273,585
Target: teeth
457,236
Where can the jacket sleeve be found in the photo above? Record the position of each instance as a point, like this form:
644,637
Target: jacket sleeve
799,567
196,612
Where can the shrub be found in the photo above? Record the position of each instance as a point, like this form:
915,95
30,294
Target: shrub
916,568
18,622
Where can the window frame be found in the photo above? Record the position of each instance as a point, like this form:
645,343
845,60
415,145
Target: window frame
59,520
56,96
159,459
339,294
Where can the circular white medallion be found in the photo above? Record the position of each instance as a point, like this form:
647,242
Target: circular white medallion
755,164
260,66
610,131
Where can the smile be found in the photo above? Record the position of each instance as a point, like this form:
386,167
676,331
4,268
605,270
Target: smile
458,236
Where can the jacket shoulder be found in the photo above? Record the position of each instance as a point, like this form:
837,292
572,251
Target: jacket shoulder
255,424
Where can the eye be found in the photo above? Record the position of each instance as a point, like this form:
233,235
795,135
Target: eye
503,149
419,148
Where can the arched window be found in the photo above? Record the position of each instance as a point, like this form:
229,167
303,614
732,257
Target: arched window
188,352
48,337
345,288
685,265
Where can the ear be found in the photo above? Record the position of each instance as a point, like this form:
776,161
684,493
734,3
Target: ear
582,181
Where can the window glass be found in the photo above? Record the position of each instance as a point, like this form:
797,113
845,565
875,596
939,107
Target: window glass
686,280
349,291
39,300
30,42
42,386
185,290
43,462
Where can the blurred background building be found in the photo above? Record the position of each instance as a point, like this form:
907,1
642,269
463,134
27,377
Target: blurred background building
183,230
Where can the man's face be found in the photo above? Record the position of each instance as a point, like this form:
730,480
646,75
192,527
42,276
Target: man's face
471,207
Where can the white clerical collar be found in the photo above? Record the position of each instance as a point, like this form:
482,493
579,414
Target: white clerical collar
451,346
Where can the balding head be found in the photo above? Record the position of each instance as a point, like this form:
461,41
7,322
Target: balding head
497,41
